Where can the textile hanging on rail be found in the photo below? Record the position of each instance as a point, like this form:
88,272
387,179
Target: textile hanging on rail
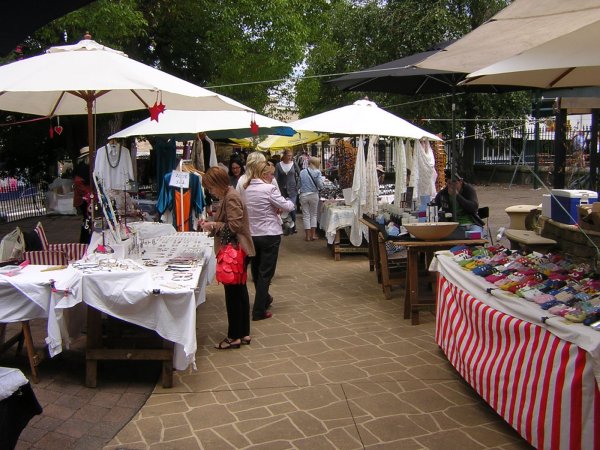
427,172
164,155
170,197
203,153
113,166
346,158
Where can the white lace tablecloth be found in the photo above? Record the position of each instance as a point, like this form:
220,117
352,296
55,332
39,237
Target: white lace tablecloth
334,217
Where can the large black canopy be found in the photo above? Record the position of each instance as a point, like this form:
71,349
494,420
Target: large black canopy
20,19
403,77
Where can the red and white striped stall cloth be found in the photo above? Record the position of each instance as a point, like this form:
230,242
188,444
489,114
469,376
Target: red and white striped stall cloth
543,386
57,254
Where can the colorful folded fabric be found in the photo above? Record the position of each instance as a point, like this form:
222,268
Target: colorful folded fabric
576,316
542,298
558,310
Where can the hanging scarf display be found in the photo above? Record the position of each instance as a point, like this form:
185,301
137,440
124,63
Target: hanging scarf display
346,157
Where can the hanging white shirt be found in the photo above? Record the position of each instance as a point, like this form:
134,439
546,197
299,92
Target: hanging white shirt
113,166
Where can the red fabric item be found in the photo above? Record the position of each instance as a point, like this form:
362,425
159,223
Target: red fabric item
231,266
187,196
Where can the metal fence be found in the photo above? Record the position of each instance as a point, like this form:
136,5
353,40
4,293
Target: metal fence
510,147
22,200
518,147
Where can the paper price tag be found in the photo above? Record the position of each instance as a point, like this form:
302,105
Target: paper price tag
180,179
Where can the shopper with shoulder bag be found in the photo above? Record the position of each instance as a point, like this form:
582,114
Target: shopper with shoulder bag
287,174
232,229
311,181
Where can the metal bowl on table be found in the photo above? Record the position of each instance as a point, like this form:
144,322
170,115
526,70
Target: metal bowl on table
431,231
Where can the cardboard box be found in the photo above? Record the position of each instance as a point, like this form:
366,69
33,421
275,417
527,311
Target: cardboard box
564,203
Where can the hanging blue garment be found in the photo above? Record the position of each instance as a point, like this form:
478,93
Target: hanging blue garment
166,197
165,154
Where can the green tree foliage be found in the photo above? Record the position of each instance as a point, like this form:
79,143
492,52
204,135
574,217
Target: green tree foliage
361,34
207,42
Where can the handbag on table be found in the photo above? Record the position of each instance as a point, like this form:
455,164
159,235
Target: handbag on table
231,260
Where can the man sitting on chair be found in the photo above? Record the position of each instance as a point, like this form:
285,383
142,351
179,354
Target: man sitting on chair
460,199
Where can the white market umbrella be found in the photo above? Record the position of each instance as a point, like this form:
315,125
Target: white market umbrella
567,61
363,117
219,124
89,78
520,26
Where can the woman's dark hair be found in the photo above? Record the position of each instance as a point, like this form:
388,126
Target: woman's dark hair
215,177
239,162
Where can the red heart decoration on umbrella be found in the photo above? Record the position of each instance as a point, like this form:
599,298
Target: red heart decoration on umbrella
58,129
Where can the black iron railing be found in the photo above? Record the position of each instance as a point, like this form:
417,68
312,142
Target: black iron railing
22,200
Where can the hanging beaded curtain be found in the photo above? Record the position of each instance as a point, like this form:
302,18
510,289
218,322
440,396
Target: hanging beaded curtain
346,157
439,153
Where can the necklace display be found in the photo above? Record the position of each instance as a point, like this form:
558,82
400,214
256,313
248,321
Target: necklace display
108,155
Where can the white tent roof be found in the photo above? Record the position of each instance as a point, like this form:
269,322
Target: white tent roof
520,26
362,118
222,123
567,61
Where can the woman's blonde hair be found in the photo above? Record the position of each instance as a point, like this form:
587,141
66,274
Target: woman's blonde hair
254,158
258,171
314,162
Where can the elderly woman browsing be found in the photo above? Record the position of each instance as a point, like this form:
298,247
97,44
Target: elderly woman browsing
231,225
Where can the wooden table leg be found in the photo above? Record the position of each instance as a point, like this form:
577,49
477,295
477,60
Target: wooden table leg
412,288
167,366
372,249
93,341
384,271
31,355
336,246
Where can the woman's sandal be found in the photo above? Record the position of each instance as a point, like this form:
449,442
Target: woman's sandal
226,344
246,340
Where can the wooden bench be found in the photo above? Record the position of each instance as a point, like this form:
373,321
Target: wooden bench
529,241
392,267
389,268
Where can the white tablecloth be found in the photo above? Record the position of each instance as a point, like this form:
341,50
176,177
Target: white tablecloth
149,296
28,295
10,381
335,217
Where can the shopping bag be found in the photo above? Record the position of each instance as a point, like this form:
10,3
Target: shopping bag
231,265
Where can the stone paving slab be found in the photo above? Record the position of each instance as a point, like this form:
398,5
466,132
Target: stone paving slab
336,367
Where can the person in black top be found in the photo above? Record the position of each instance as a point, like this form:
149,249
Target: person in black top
460,199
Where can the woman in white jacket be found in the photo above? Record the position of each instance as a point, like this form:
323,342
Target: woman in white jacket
264,202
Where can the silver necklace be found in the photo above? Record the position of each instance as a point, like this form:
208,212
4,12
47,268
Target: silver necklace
110,163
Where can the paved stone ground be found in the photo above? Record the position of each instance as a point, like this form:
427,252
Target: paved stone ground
336,367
